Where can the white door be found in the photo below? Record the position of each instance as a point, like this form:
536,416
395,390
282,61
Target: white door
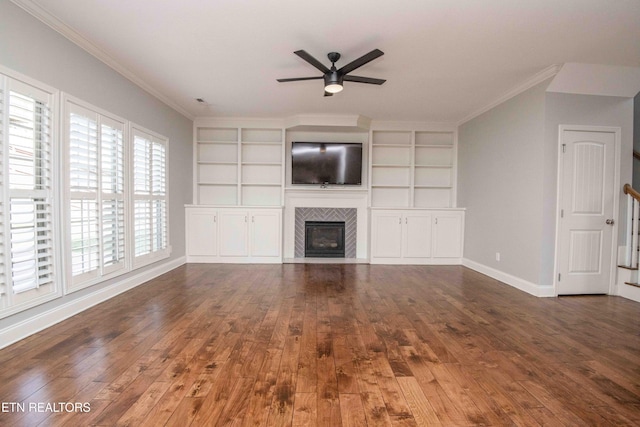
234,233
417,229
587,207
265,234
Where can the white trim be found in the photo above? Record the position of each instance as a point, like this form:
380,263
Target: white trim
72,35
617,131
21,330
534,80
506,278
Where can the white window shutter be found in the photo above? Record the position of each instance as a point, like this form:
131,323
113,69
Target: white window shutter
29,186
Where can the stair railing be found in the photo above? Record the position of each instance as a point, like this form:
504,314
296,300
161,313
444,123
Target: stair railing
633,224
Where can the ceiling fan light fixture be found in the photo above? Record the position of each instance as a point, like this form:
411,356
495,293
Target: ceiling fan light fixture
333,88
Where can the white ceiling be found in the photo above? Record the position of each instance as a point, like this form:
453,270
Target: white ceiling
444,59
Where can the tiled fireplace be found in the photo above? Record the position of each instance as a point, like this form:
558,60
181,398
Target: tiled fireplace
328,215
344,205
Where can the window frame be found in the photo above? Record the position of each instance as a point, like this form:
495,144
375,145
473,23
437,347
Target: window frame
138,261
12,302
101,273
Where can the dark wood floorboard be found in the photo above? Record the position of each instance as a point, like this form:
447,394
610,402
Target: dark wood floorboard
330,345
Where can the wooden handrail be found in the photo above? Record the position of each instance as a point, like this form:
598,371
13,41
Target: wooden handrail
630,191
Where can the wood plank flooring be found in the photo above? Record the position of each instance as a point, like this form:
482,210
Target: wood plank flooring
330,345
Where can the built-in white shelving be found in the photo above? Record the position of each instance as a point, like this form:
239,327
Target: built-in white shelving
412,168
239,166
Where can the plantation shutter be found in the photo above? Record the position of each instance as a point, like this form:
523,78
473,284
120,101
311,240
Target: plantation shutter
28,184
3,279
150,197
113,212
96,194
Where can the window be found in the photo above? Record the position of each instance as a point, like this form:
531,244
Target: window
149,197
27,234
96,205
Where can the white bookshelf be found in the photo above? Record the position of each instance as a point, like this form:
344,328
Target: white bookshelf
239,166
412,169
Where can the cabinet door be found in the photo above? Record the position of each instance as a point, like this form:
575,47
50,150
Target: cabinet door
202,235
447,236
417,238
265,234
386,235
234,233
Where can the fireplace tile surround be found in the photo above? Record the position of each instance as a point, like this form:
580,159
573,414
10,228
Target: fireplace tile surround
348,215
326,204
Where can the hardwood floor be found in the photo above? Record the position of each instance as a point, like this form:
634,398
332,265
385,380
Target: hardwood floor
329,345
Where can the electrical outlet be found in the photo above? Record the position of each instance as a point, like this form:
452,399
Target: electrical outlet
497,256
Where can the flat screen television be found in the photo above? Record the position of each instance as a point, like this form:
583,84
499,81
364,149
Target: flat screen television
338,163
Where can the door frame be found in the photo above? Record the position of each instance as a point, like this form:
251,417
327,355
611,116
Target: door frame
616,199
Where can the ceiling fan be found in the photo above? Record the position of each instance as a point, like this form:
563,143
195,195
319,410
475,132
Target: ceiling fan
334,78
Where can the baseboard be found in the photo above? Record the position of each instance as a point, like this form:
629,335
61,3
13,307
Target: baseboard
516,282
21,330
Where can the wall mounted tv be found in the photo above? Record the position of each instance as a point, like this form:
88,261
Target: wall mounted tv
338,163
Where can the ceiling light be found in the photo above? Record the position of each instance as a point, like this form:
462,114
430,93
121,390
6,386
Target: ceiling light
333,88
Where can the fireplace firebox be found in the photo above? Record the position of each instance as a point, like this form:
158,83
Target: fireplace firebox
324,239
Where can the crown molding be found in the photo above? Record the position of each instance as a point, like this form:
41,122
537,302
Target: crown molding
32,8
536,79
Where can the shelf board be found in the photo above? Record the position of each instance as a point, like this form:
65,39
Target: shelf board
204,162
441,187
262,163
382,165
219,142
434,146
434,166
392,145
221,184
260,184
278,144
391,186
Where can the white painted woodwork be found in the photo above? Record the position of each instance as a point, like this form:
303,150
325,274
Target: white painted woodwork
265,233
447,235
412,168
587,201
238,165
387,234
202,232
233,235
416,236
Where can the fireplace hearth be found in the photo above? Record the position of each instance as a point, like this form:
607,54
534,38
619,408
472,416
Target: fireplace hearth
324,239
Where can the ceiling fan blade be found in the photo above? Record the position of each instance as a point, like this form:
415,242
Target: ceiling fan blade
376,53
359,79
311,60
295,79
327,93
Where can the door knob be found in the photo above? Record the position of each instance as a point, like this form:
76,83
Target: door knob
609,222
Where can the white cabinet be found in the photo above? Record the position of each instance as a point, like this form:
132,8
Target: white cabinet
447,235
234,235
416,236
202,232
265,233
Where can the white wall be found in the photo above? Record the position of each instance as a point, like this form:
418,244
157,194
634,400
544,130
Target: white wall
500,183
33,49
